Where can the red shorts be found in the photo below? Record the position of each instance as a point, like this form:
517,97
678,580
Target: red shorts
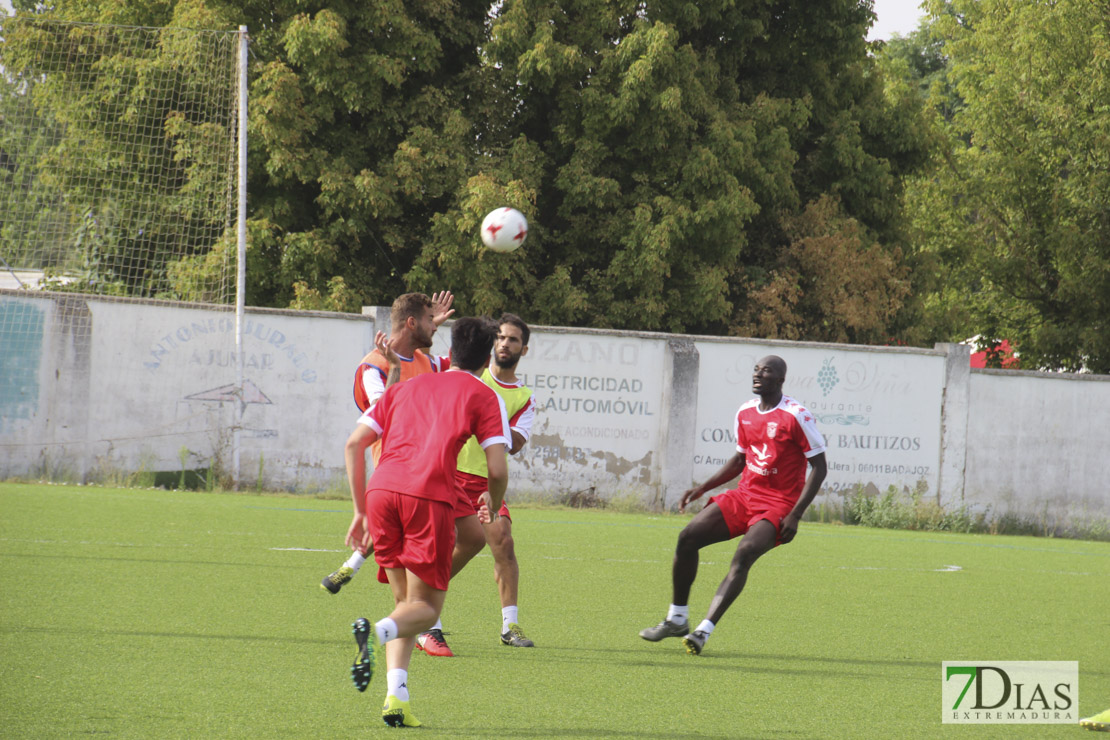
413,533
470,488
741,511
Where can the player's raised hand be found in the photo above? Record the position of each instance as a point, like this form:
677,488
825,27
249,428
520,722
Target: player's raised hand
691,495
385,346
441,306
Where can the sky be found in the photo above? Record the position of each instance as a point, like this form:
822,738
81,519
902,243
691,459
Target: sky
894,16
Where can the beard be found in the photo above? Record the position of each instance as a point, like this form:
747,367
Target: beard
424,339
508,362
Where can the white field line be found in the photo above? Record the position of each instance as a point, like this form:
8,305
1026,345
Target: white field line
485,554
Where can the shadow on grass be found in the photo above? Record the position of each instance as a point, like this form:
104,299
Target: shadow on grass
87,632
157,561
740,662
736,655
601,732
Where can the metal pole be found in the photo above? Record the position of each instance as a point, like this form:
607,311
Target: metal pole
241,270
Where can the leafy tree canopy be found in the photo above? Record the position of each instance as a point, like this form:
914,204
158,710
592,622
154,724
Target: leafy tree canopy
1016,211
665,153
116,141
684,166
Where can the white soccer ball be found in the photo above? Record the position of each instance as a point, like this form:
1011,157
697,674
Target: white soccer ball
504,229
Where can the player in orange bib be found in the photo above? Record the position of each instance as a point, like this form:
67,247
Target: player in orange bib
776,438
471,537
414,318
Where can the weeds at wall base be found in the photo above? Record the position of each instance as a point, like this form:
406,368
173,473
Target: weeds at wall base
895,509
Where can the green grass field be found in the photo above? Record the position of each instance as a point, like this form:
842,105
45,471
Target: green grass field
132,613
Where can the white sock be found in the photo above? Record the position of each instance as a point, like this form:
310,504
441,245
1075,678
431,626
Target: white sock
509,615
397,683
706,626
355,561
678,614
438,625
386,630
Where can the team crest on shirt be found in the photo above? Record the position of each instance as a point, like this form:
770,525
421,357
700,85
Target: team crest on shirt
772,427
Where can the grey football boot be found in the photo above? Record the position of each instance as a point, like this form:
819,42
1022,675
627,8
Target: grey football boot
666,628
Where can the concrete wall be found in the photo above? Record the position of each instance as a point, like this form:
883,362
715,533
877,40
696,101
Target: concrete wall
92,384
1036,443
877,407
106,386
600,400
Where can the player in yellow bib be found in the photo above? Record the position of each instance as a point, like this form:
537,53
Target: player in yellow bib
472,478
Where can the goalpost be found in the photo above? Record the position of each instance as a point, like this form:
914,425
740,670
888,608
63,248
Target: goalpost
122,181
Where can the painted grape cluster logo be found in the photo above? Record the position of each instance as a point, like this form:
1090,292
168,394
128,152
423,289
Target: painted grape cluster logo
827,377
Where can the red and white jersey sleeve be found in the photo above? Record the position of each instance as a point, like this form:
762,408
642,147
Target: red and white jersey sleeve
521,423
495,428
374,416
519,402
776,445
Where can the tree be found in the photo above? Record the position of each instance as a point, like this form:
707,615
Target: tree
664,152
833,283
359,134
29,232
1017,210
675,160
919,57
622,140
363,119
113,164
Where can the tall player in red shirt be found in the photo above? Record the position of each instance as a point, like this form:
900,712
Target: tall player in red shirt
409,503
775,439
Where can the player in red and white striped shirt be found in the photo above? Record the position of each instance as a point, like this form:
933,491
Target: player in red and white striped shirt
776,438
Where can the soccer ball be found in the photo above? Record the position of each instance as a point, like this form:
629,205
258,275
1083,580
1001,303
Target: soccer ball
504,229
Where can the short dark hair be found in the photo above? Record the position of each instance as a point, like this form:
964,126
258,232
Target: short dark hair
512,318
409,304
472,339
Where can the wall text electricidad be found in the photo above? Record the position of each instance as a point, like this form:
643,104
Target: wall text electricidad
595,383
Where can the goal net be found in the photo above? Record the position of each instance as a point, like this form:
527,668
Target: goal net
117,159
118,173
